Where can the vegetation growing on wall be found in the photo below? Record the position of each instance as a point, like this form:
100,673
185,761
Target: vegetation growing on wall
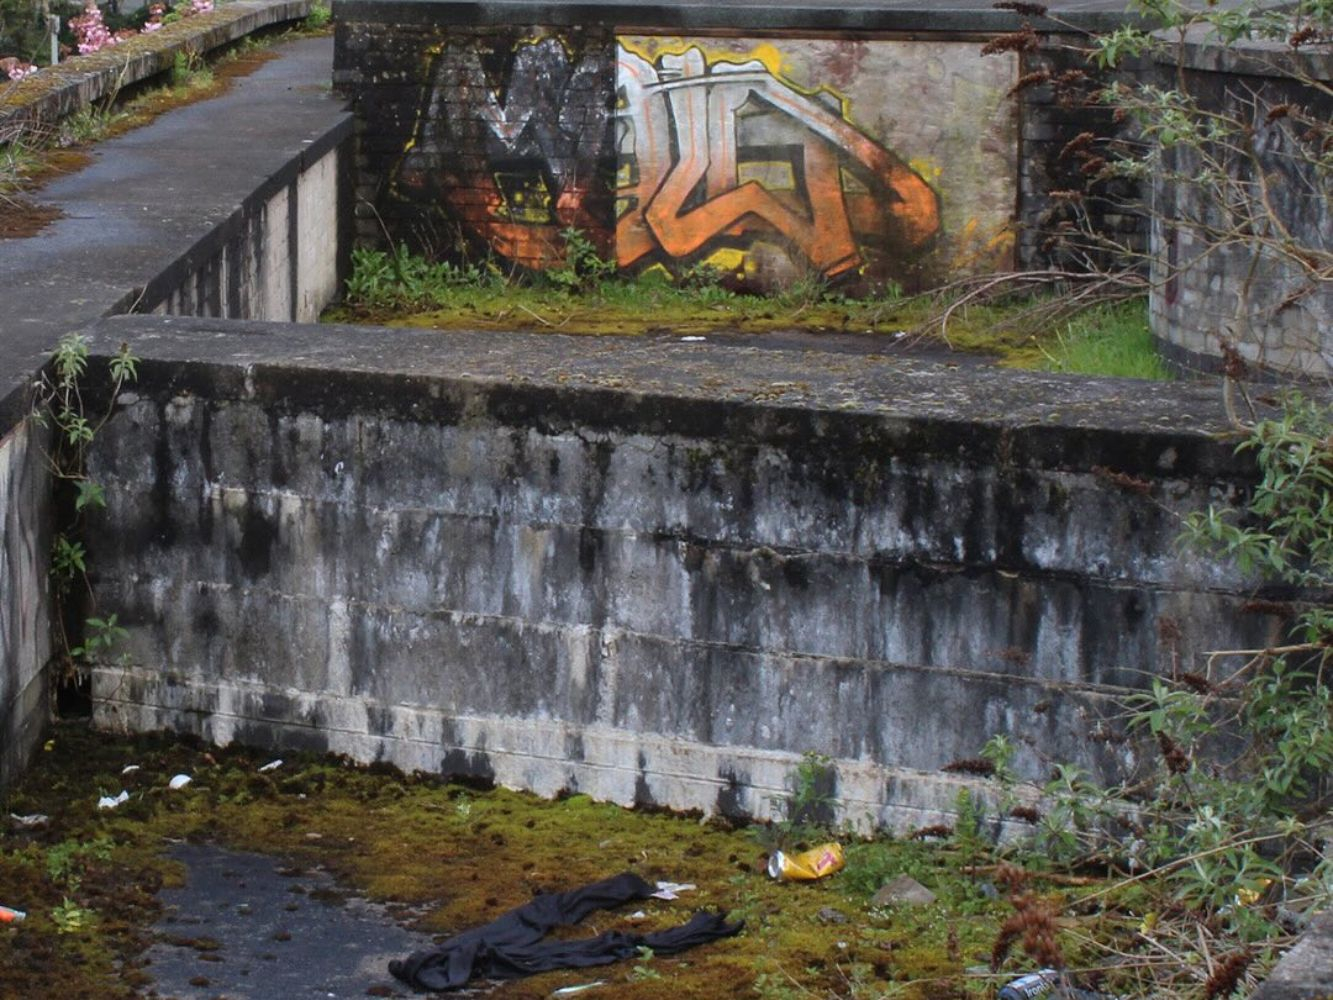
59,406
584,295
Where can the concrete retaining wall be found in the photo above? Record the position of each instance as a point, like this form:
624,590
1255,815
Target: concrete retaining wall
650,571
25,608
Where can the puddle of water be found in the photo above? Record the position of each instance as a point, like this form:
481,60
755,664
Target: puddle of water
247,927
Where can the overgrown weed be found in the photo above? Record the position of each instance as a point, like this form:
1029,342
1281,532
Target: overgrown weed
585,295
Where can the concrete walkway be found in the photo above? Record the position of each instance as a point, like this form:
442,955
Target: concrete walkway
147,198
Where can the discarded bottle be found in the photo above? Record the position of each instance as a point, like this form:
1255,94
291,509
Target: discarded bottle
1029,987
806,866
8,915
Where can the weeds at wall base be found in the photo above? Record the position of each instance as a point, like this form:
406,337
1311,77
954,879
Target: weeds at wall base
584,296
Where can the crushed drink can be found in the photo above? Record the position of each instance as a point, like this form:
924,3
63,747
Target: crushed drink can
1030,987
9,915
808,865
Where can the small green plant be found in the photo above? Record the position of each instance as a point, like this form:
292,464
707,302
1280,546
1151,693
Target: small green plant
67,860
59,408
71,918
583,267
319,18
101,635
643,970
190,70
808,811
68,562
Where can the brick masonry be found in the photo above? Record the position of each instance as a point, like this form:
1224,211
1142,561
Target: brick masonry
873,158
1217,276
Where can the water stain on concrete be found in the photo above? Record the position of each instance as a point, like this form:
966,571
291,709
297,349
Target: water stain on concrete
249,927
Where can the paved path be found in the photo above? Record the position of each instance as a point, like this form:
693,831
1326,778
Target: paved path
146,198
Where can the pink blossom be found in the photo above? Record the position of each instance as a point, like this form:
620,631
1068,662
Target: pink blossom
90,33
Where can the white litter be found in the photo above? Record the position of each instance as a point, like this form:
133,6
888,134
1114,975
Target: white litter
110,802
179,782
129,769
692,340
672,890
569,991
272,765
30,821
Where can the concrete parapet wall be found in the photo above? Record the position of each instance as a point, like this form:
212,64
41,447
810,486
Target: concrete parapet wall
649,571
25,609
280,257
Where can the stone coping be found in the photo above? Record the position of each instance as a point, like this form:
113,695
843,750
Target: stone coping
1305,972
1201,49
57,91
946,16
656,385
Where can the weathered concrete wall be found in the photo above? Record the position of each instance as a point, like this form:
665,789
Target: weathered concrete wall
770,157
280,256
1241,262
649,571
25,622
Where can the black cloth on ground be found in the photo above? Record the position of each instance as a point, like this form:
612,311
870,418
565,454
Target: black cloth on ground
512,946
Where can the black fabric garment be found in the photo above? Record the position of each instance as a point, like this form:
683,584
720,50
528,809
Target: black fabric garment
513,946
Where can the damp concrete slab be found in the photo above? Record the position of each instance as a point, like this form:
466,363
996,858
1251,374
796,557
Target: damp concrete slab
148,197
250,927
957,16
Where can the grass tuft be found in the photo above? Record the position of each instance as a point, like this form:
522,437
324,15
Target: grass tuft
1107,340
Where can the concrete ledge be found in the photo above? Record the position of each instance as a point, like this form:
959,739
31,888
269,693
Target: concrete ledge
742,16
57,91
1305,972
1203,50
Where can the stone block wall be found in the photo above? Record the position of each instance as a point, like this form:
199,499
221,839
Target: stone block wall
1219,274
650,571
1050,230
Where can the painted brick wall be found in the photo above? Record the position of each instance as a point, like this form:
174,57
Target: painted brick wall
770,159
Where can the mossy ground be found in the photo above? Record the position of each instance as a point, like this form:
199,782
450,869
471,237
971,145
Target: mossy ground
404,290
447,857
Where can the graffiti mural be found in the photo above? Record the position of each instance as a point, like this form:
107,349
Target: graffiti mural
770,160
712,156
521,151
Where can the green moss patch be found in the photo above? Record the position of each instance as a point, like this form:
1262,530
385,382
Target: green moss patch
455,856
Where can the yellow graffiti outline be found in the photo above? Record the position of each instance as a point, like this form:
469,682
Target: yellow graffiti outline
652,47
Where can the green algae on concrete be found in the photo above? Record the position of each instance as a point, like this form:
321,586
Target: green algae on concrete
448,856
399,289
